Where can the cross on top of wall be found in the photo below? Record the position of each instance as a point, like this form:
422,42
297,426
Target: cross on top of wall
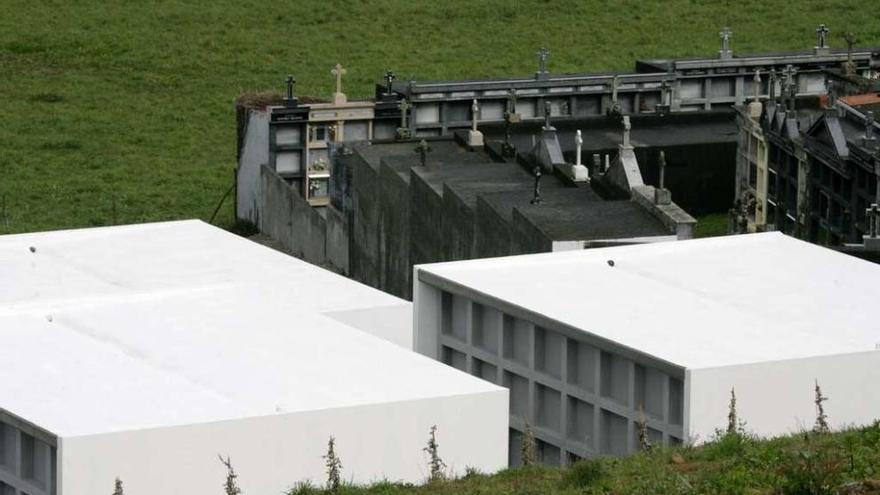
290,100
725,34
822,36
389,78
543,54
338,71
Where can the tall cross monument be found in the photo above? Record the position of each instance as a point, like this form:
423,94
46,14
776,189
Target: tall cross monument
725,52
543,54
821,39
339,97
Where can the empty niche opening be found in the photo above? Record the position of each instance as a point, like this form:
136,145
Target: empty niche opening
519,394
580,422
574,458
614,377
454,358
613,435
453,311
5,445
548,454
582,365
588,105
516,340
650,384
458,112
549,408
486,327
676,401
514,448
34,460
548,352
484,370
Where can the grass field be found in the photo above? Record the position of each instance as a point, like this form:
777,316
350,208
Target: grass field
120,112
803,464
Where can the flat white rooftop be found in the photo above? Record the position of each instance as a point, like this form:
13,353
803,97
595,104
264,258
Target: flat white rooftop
696,304
176,323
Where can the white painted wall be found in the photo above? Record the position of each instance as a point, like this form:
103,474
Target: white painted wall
271,453
426,317
391,323
776,398
254,154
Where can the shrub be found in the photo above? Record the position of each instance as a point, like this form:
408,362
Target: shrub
583,474
334,467
811,472
436,464
230,488
527,450
821,425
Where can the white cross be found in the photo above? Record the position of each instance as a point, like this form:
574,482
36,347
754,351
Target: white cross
475,113
338,71
725,39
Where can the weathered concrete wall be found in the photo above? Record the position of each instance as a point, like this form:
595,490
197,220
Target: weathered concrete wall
426,236
337,240
526,237
364,250
254,155
457,226
395,271
290,220
492,236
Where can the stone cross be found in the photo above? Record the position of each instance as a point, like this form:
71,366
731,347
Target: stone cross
831,91
790,84
725,34
614,83
475,114
389,78
822,35
662,164
547,110
789,72
338,71
404,107
873,215
422,149
291,81
849,67
511,101
536,196
543,54
756,82
579,143
626,129
771,85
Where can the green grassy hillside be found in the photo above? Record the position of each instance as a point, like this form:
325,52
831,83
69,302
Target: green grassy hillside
119,112
806,464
